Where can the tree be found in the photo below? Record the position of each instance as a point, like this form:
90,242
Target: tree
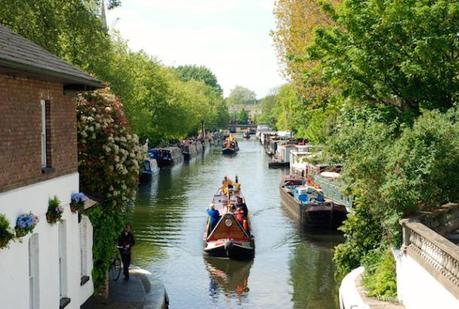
400,53
199,73
243,117
294,33
241,95
67,29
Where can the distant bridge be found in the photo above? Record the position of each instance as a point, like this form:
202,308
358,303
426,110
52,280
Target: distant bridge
241,127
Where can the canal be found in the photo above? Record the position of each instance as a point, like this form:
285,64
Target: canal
291,269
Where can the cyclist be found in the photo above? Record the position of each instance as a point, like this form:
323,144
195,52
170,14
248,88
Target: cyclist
125,243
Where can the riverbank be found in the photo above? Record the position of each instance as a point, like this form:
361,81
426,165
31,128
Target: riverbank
140,292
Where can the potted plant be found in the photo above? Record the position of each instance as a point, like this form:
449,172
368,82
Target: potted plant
77,202
55,211
6,234
25,224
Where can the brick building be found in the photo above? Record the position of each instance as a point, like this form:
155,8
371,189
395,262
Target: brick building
51,267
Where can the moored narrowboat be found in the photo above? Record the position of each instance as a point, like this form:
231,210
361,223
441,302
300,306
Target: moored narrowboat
149,169
168,156
309,206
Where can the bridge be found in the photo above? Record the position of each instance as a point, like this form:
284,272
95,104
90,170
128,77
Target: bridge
241,127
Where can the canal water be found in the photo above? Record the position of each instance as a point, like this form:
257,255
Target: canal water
291,269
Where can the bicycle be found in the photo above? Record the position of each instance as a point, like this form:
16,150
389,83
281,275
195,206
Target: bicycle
114,271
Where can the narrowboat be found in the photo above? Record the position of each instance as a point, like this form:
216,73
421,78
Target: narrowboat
229,238
309,206
149,169
230,146
168,156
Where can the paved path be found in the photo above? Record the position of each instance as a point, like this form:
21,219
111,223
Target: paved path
140,292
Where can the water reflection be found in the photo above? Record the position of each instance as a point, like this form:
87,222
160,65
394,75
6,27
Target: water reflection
228,277
312,273
291,269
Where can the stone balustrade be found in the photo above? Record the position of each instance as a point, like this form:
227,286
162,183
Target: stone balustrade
436,254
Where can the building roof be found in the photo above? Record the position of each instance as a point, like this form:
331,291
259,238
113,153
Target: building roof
19,55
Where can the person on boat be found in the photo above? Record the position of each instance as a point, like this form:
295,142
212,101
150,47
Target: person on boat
224,188
227,182
214,216
242,206
125,242
239,215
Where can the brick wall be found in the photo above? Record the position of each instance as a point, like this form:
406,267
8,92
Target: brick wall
20,128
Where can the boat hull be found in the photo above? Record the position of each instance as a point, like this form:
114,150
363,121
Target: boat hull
278,164
229,151
231,249
329,216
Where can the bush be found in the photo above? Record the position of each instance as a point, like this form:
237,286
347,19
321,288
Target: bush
379,279
109,159
6,234
363,233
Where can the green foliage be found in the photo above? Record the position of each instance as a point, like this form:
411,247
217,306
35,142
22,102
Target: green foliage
423,163
67,29
241,95
400,53
362,232
242,116
199,73
108,224
413,168
109,155
267,105
379,278
109,159
6,232
55,211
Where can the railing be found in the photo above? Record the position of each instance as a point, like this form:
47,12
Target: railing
333,192
436,254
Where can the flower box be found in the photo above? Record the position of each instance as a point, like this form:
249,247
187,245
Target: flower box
55,211
77,201
25,224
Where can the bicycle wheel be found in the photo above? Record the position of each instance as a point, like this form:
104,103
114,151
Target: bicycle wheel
115,269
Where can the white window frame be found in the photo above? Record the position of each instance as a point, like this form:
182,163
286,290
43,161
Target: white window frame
44,161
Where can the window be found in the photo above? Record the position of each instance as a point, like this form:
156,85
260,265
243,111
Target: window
34,299
45,134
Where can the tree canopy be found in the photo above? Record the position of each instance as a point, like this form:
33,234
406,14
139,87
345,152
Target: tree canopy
199,73
241,95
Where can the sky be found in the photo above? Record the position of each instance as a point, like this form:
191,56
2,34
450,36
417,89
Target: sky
230,37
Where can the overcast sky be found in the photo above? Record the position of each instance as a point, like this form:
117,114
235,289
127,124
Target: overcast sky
231,37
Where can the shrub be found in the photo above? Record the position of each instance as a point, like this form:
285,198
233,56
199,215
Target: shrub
6,234
109,159
379,279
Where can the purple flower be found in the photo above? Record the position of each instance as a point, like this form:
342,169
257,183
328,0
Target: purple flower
78,197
